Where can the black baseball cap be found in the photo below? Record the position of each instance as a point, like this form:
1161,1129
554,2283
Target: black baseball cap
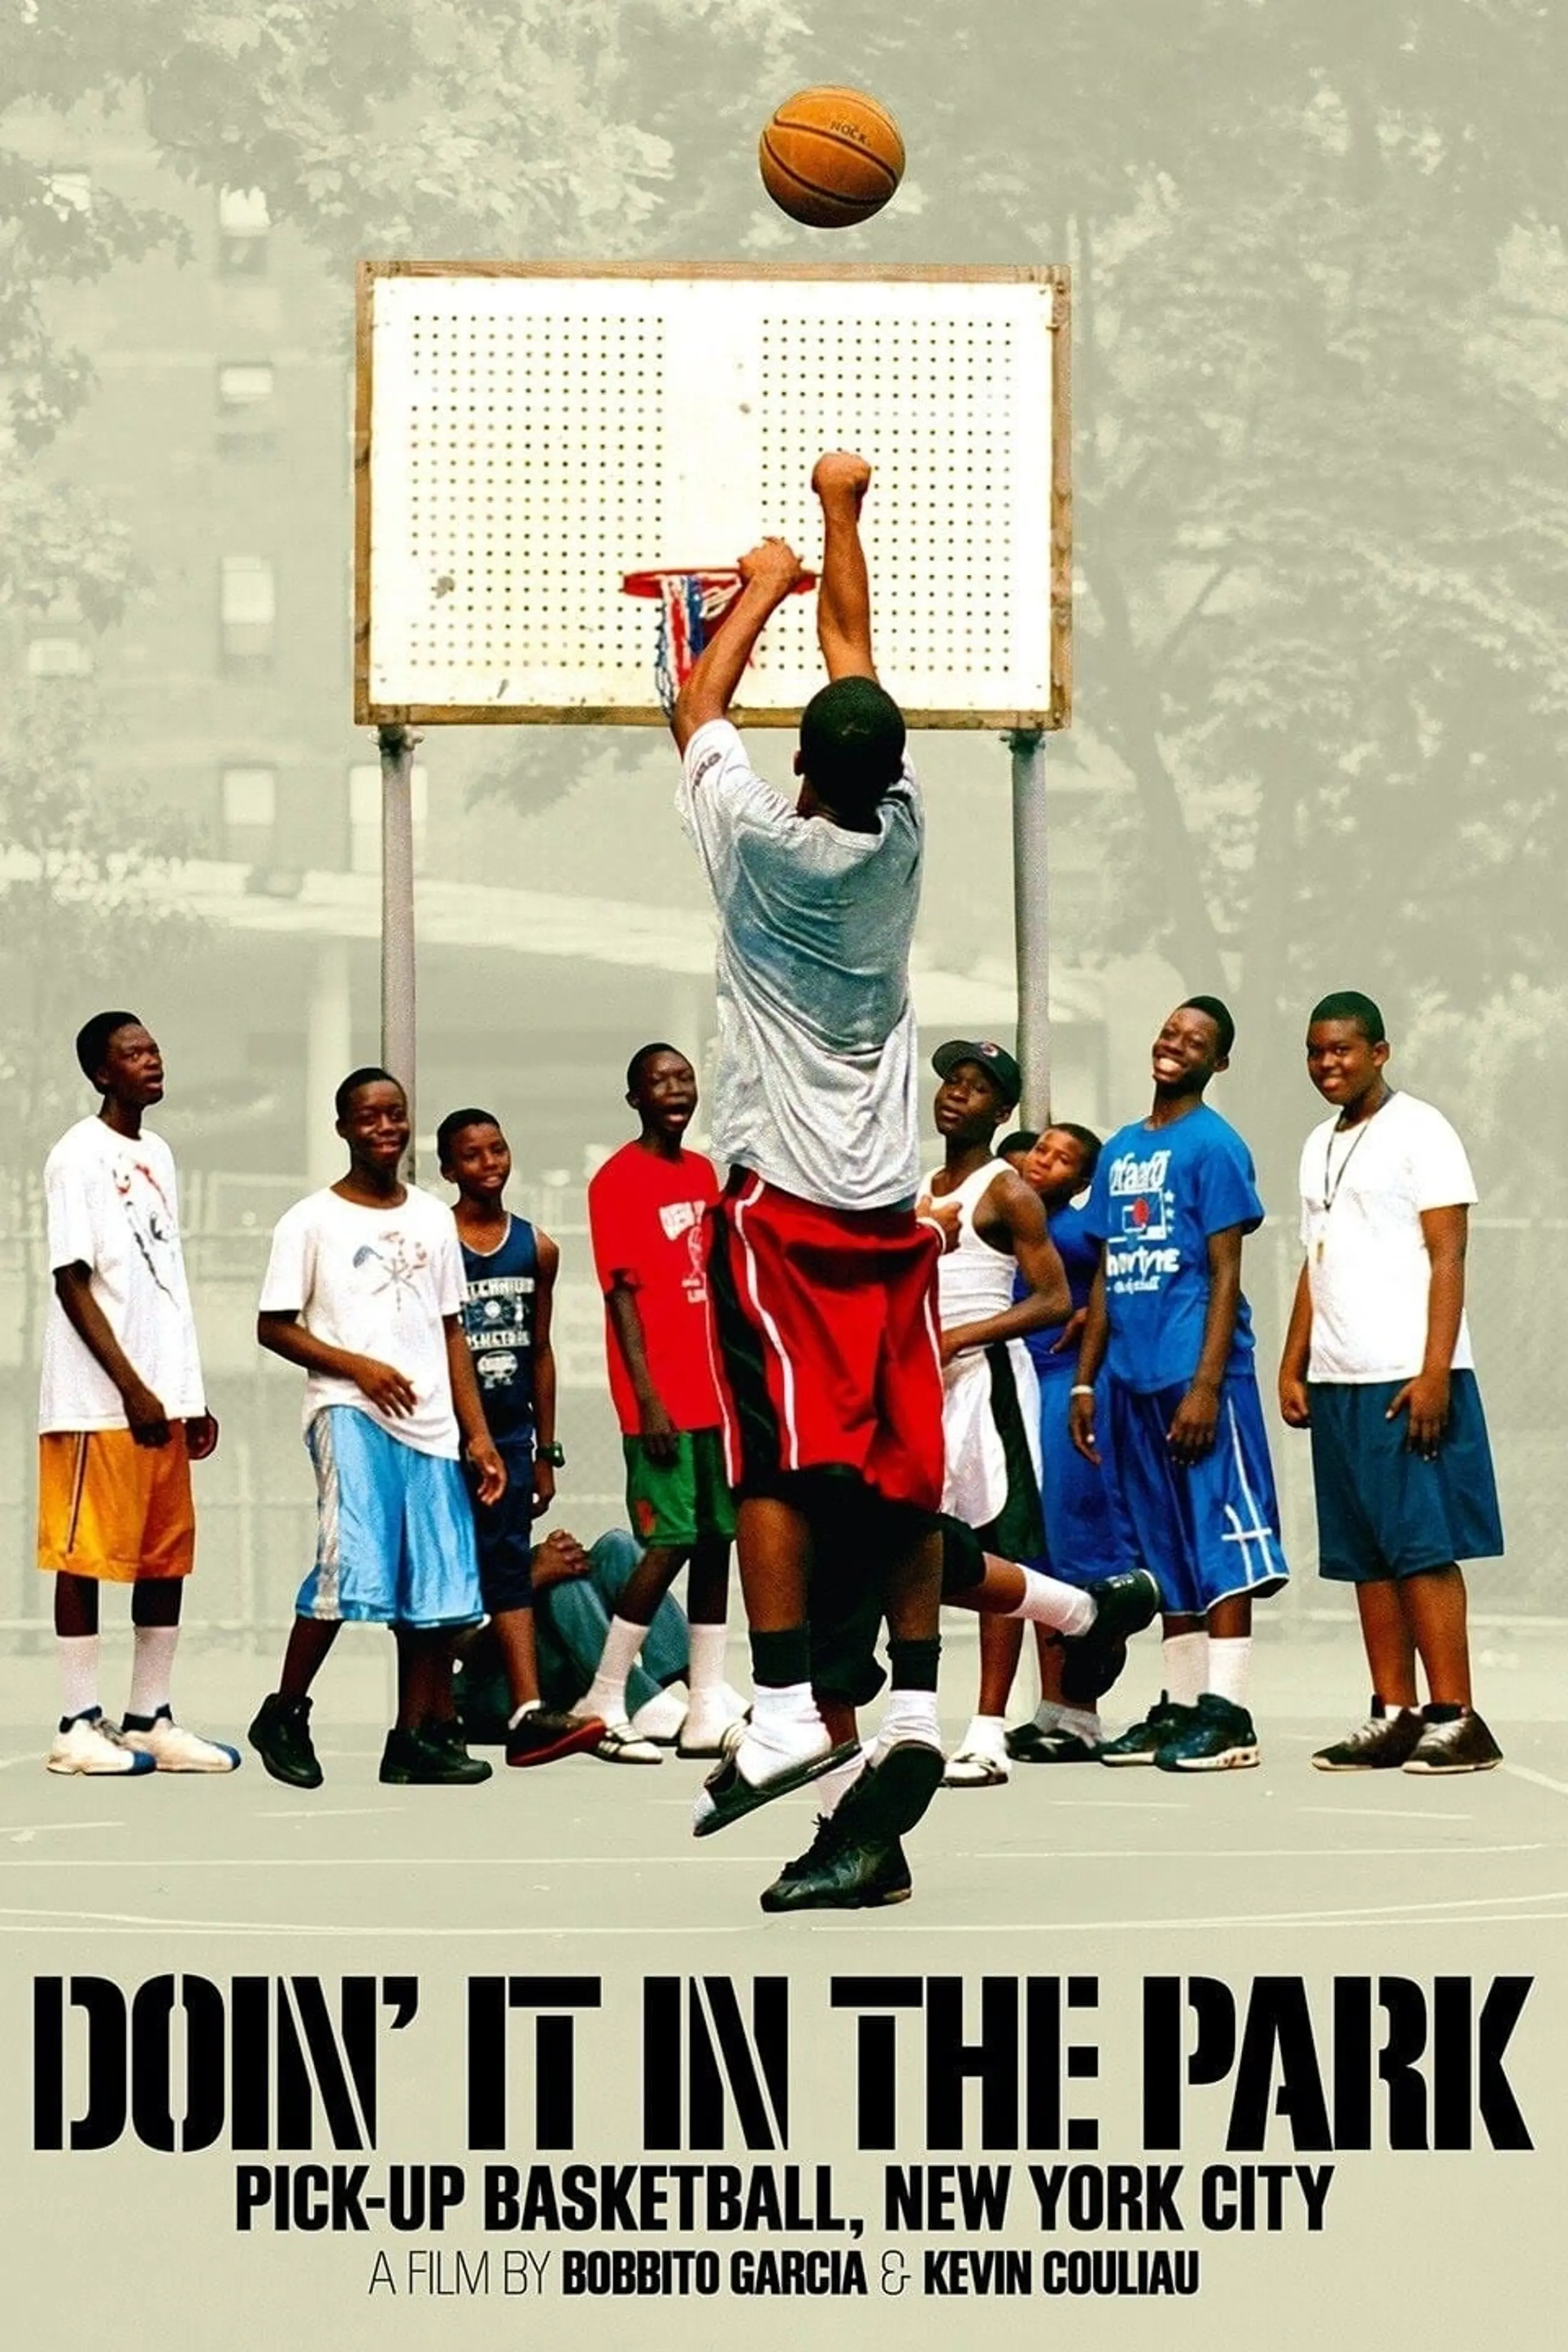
992,1058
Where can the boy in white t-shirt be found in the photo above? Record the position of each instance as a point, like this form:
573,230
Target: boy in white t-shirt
1377,1364
121,1413
364,1291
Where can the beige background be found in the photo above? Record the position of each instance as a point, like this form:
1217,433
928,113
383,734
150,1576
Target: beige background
1319,306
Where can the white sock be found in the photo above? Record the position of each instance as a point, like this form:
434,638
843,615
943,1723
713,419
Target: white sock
1185,1667
152,1666
529,1706
986,1734
79,1673
1082,1721
606,1694
911,1715
708,1643
1049,1601
785,1722
1049,1714
830,1789
1230,1667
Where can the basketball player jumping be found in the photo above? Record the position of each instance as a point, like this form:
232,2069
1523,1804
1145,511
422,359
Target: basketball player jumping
822,1281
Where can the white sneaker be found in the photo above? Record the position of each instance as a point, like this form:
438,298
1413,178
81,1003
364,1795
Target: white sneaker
619,1743
981,1760
172,1748
661,1719
91,1743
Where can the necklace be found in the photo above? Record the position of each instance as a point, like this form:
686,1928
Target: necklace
1333,1179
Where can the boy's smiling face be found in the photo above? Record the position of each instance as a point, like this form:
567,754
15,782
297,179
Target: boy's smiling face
478,1161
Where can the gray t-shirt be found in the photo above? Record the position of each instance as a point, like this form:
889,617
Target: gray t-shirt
816,1081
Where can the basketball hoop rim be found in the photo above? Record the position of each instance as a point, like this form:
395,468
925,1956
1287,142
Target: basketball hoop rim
649,581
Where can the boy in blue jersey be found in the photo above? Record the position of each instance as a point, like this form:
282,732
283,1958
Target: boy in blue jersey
1174,1195
510,1274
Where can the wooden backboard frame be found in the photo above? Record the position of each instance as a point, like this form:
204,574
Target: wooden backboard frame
386,714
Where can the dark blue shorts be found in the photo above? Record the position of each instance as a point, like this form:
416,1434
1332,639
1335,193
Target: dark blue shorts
1383,1509
1083,1539
1207,1533
505,1532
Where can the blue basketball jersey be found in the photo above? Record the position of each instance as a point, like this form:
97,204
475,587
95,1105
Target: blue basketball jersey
498,1323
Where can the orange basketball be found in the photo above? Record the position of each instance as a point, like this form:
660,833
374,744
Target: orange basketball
831,157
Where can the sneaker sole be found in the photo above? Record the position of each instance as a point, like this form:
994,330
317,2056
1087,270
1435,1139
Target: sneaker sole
1370,1764
793,1900
133,1772
1235,1759
571,1743
896,1793
1447,1771
398,1780
743,1796
227,1762
1101,1757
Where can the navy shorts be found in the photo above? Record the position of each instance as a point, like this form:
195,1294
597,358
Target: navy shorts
1205,1533
504,1531
1383,1509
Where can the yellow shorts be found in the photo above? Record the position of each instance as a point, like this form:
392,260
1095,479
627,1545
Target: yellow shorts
111,1508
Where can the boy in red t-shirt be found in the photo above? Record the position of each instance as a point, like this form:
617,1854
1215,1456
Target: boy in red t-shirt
646,1209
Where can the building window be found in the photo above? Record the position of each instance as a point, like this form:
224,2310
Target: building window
250,801
244,384
67,192
250,610
243,226
60,658
364,817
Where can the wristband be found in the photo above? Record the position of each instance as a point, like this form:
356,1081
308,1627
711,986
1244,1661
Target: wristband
555,1455
1080,1391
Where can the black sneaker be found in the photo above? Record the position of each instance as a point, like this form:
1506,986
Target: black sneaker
1034,1743
841,1873
280,1736
1216,1736
1379,1745
1092,1662
432,1757
1141,1742
542,1735
1456,1743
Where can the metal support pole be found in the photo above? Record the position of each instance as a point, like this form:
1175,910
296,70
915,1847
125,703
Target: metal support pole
1031,921
397,1029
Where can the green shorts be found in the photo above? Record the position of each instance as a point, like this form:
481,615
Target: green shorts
681,1501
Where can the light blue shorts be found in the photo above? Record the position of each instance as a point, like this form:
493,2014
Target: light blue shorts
395,1530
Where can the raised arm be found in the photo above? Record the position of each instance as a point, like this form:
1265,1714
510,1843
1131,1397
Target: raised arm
768,573
840,480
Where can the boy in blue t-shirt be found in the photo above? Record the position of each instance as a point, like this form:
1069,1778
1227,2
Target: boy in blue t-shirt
510,1272
1172,1197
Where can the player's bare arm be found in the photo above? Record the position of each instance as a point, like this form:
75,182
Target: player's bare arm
1091,1357
1445,1233
1192,1431
768,573
840,480
1011,1217
545,1272
656,1429
479,1445
284,1335
1295,1408
144,1414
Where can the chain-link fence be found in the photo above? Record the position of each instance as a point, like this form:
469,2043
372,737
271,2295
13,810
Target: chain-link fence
256,1496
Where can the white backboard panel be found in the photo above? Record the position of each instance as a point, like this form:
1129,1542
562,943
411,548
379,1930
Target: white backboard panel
527,436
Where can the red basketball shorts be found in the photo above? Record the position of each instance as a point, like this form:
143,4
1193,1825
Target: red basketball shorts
827,1330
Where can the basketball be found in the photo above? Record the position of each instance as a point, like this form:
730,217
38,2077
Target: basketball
830,157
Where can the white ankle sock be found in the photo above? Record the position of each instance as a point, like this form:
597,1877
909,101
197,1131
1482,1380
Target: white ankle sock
986,1734
911,1715
1230,1667
152,1666
707,1658
1185,1668
606,1694
79,1673
1082,1721
1049,1601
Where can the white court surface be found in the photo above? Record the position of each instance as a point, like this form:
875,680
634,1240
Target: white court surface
526,437
582,1850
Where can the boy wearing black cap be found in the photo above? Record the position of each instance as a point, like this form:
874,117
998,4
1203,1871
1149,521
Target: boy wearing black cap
1172,1197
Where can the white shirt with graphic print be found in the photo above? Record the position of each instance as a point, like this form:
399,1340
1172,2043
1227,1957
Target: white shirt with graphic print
375,1281
111,1205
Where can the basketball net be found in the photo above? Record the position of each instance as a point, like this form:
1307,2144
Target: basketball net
691,606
